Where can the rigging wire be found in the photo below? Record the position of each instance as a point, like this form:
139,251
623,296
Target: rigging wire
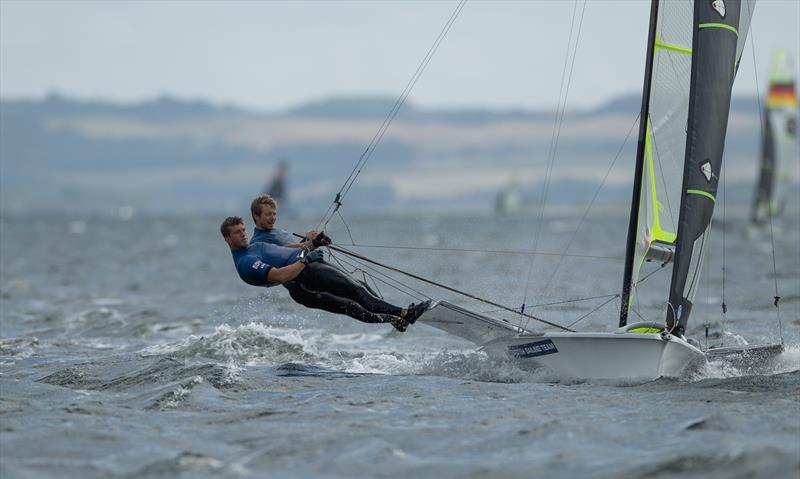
638,283
569,301
487,251
558,122
355,255
592,311
354,265
398,285
777,296
588,208
387,280
724,305
376,139
346,226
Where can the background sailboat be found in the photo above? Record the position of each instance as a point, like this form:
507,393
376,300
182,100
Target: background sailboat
509,198
276,187
780,150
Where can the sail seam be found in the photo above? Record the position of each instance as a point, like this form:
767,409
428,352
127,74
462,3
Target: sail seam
719,25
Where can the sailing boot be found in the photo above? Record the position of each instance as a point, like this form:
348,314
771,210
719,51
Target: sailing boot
400,324
414,311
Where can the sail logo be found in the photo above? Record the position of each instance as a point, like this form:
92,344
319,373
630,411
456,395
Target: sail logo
531,350
679,313
706,170
719,6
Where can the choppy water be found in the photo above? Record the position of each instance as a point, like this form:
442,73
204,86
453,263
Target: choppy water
131,349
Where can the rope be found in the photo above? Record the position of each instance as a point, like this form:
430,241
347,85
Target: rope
592,311
389,281
353,254
636,310
376,139
723,305
558,122
346,226
560,302
777,297
588,208
466,250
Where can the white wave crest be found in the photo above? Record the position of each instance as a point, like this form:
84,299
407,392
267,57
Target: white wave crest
250,343
787,361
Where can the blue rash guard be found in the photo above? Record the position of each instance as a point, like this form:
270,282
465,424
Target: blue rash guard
275,236
254,262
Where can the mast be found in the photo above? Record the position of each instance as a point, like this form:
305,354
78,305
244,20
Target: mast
633,222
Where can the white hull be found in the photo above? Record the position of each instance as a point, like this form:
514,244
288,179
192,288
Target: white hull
620,355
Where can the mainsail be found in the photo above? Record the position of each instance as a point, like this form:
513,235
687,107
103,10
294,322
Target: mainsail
719,32
779,147
694,48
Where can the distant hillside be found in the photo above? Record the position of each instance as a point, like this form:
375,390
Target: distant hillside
176,155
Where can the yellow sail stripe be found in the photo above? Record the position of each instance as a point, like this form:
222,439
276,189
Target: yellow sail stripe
719,25
701,193
662,45
658,233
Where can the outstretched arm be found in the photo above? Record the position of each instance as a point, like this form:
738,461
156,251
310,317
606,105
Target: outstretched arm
308,243
286,273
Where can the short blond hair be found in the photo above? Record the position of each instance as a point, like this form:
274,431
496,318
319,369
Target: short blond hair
259,201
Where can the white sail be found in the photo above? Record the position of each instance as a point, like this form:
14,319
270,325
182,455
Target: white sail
665,141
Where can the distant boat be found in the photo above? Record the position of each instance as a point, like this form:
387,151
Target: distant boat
277,185
779,147
509,198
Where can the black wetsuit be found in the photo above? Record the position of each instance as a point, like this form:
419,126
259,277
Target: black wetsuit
321,286
318,286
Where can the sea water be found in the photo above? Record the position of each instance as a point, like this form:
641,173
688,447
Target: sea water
132,349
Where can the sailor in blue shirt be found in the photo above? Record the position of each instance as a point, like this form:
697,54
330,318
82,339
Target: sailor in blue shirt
264,210
254,262
309,280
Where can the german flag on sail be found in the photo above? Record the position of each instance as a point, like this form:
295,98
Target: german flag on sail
782,95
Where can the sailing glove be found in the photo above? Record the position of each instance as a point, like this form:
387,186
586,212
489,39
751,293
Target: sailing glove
314,256
321,240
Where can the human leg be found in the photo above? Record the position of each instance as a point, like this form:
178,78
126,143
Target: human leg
323,277
338,305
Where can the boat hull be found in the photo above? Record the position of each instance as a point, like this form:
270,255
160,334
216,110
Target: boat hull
621,355
615,356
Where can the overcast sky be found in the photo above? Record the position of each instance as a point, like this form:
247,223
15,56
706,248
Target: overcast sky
273,55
